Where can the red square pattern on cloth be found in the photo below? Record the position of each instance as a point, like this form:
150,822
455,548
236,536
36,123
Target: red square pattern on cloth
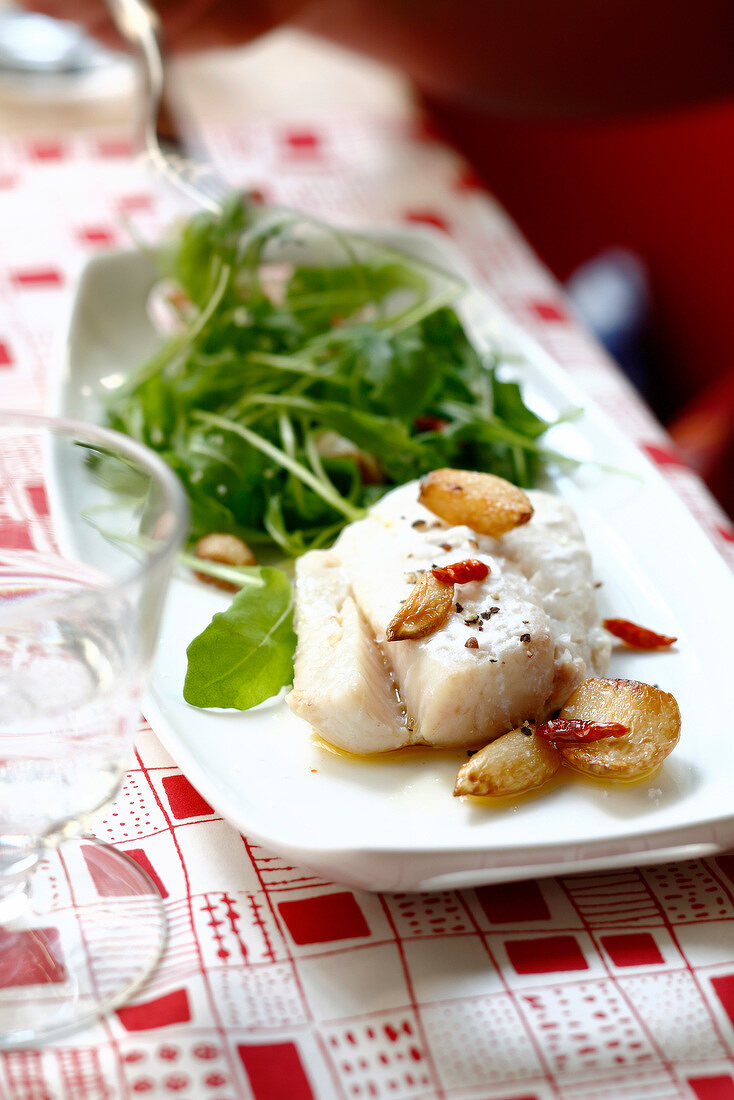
546,955
427,217
547,311
510,902
143,862
172,1008
632,949
724,990
38,498
46,150
303,141
184,799
720,1087
6,359
324,919
108,884
663,456
114,147
14,535
31,957
275,1071
128,203
37,276
96,234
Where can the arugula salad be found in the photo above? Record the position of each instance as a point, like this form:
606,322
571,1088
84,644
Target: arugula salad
312,369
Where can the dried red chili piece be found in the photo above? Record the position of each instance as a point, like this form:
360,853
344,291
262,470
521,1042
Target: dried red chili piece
461,572
579,729
637,636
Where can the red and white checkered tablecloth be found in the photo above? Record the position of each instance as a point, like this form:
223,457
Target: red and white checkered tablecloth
277,985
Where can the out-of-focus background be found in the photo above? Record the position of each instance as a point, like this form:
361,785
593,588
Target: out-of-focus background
632,214
636,218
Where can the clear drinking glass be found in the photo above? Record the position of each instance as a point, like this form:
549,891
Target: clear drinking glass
90,523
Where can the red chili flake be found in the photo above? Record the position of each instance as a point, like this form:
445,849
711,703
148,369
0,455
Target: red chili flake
579,729
461,572
430,424
637,636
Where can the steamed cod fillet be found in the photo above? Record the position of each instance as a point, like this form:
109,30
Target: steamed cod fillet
534,620
342,685
553,555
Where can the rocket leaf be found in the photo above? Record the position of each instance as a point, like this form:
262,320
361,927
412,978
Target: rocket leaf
245,655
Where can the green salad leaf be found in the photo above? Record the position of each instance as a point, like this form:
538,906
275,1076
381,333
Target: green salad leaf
245,655
299,389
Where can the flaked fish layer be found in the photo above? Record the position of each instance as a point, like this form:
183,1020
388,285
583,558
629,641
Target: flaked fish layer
532,627
342,685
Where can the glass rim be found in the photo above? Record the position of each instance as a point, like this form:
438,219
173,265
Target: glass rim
144,456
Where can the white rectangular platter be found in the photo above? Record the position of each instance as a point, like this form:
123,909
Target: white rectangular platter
391,823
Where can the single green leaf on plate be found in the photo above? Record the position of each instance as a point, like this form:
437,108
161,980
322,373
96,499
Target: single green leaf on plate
245,655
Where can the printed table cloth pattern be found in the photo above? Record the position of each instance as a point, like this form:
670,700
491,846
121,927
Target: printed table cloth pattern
277,985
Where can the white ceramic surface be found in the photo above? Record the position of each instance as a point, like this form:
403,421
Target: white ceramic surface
391,823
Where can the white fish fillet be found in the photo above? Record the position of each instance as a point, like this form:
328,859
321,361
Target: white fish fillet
342,685
534,620
552,553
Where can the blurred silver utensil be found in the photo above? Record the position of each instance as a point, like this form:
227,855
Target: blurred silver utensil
140,26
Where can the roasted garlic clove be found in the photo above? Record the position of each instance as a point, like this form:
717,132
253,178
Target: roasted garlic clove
225,550
486,503
425,610
652,718
517,761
